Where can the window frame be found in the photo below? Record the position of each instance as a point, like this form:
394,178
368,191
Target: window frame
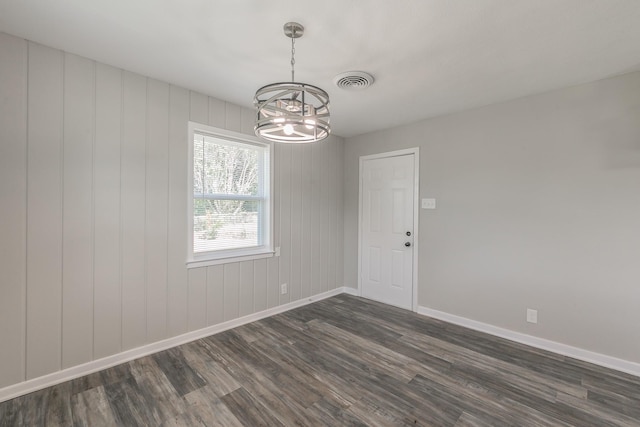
223,256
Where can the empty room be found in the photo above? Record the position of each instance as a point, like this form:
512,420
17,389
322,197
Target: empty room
341,212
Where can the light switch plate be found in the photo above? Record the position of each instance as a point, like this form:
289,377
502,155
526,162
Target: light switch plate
428,203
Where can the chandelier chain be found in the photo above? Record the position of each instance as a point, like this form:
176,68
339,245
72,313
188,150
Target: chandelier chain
293,52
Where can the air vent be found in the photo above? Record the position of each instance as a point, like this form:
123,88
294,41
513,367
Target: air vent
353,80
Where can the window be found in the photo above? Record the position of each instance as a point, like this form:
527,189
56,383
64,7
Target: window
230,205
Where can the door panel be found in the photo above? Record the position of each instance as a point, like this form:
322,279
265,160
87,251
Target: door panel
387,216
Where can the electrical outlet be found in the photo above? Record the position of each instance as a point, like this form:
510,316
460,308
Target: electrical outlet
283,288
278,251
532,315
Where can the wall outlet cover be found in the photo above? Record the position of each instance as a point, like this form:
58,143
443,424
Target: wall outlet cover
428,203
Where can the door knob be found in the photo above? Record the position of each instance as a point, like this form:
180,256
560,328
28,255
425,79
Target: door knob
407,244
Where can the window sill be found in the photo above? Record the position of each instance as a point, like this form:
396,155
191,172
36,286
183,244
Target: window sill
195,263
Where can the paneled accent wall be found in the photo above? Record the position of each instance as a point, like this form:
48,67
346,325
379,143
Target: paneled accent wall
93,226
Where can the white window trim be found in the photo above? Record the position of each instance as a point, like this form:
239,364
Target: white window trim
231,255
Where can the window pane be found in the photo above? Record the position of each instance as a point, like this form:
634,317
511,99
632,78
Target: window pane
198,164
230,201
230,168
224,224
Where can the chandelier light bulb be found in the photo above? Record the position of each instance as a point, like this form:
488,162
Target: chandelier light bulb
288,129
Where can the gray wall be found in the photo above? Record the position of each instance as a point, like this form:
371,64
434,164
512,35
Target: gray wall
538,205
93,226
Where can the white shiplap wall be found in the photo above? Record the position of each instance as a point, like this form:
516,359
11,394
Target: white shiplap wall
93,227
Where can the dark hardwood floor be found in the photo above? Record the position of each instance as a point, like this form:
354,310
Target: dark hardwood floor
341,361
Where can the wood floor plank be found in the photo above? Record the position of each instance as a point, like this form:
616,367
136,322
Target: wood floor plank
543,386
341,361
623,404
468,420
129,406
91,408
58,405
218,380
328,410
248,410
480,401
183,378
204,408
153,382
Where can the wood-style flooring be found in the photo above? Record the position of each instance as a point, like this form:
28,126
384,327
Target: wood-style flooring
341,361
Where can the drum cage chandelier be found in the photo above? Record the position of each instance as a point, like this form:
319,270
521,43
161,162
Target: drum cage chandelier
292,112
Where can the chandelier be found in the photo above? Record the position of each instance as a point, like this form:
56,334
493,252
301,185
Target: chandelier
292,112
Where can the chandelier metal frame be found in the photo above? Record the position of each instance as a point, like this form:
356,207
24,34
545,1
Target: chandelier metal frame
292,112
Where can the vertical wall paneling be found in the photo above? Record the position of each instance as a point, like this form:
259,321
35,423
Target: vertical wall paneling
44,211
197,293
273,267
197,304
198,107
316,218
247,118
273,280
177,227
77,250
307,222
260,285
215,294
325,167
295,289
231,285
107,316
339,202
233,118
93,180
132,208
284,174
157,189
217,113
13,209
332,186
245,289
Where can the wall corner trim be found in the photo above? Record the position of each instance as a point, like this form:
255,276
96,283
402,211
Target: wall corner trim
58,377
541,343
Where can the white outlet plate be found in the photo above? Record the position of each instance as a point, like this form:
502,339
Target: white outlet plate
278,251
532,315
428,203
283,288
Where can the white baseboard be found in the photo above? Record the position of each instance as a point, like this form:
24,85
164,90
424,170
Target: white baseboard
45,381
58,377
541,343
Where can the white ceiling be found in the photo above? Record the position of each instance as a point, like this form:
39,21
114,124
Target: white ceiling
429,57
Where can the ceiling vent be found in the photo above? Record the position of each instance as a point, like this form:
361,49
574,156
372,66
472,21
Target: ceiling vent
353,80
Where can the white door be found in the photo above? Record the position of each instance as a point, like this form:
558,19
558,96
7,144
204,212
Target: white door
387,229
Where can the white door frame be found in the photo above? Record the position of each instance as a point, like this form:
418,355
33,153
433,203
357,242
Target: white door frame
416,210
